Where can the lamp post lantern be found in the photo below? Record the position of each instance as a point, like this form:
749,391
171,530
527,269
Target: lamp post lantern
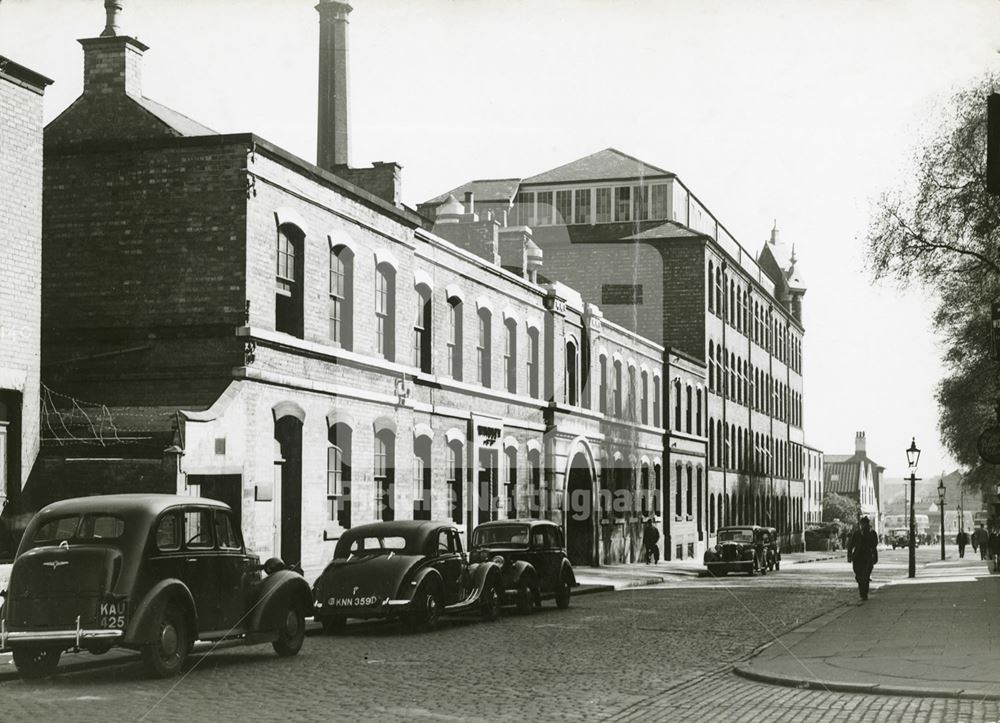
912,457
941,492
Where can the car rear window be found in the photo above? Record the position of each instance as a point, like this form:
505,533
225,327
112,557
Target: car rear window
373,544
735,535
80,528
501,535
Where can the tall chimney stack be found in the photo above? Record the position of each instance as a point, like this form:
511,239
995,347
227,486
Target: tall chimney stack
859,443
332,141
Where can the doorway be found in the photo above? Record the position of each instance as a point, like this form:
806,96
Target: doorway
580,512
288,438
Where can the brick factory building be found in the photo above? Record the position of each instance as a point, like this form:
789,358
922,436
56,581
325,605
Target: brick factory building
21,95
730,323
289,338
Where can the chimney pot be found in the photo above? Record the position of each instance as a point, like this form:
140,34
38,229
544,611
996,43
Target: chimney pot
112,9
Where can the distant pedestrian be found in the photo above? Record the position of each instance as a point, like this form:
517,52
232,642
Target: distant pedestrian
650,536
862,553
994,544
962,539
981,541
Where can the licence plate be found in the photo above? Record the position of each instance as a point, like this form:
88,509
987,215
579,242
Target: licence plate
112,614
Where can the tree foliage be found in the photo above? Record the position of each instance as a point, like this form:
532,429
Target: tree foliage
943,232
840,507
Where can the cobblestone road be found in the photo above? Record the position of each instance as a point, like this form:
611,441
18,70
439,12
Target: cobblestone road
640,654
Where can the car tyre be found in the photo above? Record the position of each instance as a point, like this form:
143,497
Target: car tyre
489,604
35,663
291,631
165,655
333,624
564,590
525,598
428,612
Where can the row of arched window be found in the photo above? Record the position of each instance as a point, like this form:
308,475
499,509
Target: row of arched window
737,379
735,303
732,447
780,512
690,403
623,391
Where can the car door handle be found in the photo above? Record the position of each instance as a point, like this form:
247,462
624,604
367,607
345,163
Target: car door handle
191,559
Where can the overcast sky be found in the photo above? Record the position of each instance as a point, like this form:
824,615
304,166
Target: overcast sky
801,111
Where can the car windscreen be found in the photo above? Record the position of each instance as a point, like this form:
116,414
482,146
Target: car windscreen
500,535
735,535
359,545
91,527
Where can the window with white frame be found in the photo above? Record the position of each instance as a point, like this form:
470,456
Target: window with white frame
483,348
340,310
385,311
455,338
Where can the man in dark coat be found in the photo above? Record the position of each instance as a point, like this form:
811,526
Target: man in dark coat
981,541
862,553
650,536
962,538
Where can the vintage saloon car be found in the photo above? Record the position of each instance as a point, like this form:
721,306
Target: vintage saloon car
410,570
738,549
153,573
532,558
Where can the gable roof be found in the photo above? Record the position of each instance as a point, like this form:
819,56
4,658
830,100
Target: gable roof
177,122
841,477
601,166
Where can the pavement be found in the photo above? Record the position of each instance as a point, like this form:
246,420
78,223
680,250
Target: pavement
937,635
620,577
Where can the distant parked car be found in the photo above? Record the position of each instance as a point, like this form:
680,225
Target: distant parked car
738,549
901,538
533,559
410,570
153,573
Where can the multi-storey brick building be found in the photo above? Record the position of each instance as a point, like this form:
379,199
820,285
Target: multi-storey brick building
304,349
21,94
633,237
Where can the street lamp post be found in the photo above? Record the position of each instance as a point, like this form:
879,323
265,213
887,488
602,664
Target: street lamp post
912,457
941,493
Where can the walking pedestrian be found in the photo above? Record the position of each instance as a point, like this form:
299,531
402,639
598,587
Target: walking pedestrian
962,539
994,544
981,540
650,536
862,553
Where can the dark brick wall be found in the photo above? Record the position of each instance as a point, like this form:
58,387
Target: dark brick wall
143,271
684,300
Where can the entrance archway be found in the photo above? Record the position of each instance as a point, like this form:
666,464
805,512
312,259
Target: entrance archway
580,513
288,439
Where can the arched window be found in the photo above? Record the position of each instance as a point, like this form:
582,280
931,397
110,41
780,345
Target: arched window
711,442
644,398
657,491
690,496
711,278
455,338
288,315
688,409
732,376
532,361
570,375
455,481
422,326
338,474
631,400
678,493
341,306
698,408
656,401
510,355
711,513
617,391
645,493
720,457
711,365
700,505
484,345
385,311
422,478
384,470
677,405
603,386
718,291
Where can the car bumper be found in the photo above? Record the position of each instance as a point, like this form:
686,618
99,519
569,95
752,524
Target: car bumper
387,609
75,637
734,566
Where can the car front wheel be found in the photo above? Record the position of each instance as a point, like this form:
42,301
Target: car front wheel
563,591
291,632
171,643
489,606
34,663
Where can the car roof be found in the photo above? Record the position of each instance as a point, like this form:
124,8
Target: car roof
519,521
151,504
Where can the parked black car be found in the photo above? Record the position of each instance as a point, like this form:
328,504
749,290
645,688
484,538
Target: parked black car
533,560
409,570
738,549
153,573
